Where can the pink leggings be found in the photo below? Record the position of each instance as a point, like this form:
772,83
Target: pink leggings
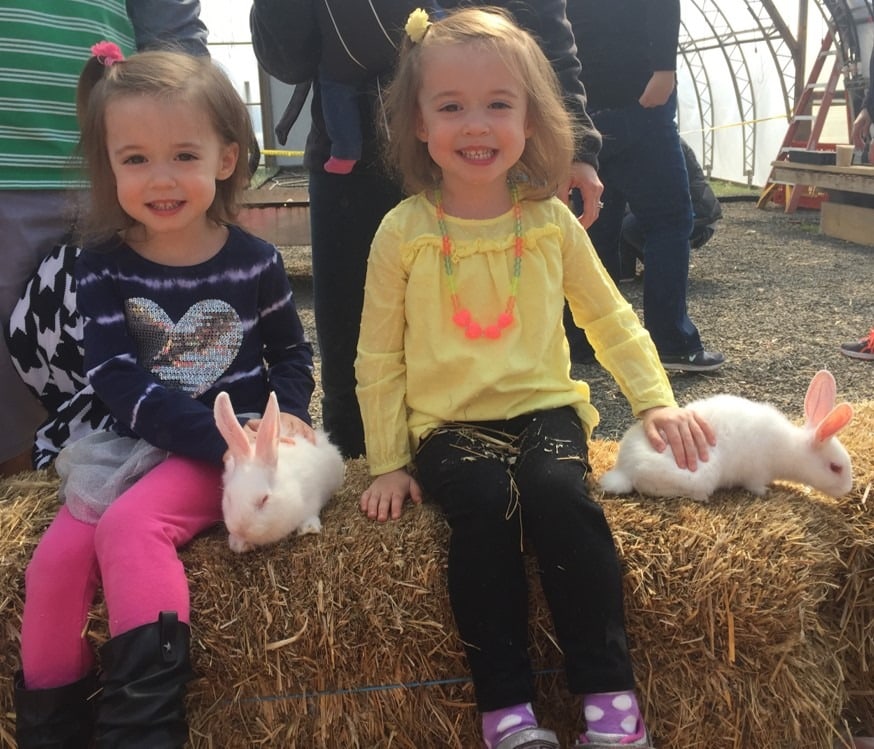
131,551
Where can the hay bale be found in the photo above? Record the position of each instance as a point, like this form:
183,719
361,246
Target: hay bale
750,622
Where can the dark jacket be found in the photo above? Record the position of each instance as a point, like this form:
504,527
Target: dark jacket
620,43
705,204
355,41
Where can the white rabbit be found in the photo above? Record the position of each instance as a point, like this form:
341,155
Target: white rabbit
755,445
273,488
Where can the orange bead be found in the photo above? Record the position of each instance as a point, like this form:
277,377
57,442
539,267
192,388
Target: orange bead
473,330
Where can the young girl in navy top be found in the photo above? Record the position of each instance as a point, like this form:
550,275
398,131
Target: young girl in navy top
178,304
464,371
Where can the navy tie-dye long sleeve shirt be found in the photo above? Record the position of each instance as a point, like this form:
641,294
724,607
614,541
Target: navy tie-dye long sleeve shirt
161,342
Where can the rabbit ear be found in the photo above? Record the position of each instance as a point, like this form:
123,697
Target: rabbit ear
836,420
267,439
226,421
820,398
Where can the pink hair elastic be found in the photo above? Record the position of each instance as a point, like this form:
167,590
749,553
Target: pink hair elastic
108,53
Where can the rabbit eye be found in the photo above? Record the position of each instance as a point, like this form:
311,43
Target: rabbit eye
261,502
835,468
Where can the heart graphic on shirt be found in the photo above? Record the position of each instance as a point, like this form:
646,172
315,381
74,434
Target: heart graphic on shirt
189,355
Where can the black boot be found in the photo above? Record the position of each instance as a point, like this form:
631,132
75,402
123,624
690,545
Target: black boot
59,718
144,675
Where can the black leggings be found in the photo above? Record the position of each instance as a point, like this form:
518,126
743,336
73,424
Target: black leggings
495,482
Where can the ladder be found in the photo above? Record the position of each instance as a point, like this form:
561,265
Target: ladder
803,114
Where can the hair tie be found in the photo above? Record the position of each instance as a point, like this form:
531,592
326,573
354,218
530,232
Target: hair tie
107,53
417,24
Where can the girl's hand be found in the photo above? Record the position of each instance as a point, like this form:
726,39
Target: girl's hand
689,436
290,426
385,496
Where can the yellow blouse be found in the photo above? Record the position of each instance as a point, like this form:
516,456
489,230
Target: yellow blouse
416,368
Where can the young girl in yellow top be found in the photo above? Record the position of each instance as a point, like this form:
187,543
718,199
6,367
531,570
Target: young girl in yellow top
464,372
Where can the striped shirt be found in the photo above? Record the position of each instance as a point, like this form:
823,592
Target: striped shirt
161,342
43,47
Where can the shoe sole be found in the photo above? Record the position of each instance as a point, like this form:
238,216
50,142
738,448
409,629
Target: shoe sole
677,367
530,738
858,355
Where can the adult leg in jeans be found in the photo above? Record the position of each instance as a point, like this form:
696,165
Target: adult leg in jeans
345,211
644,161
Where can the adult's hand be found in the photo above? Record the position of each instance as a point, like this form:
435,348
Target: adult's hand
659,89
585,178
861,128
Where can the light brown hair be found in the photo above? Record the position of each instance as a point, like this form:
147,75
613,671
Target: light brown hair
197,81
549,151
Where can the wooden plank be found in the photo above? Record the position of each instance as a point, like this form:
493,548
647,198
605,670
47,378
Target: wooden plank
848,222
283,225
849,178
275,195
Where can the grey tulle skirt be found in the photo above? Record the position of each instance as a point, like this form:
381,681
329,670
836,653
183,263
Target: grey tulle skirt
98,468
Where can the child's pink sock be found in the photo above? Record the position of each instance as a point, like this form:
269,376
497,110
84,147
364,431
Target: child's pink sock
500,723
612,718
339,166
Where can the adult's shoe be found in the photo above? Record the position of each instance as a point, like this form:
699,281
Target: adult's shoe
699,361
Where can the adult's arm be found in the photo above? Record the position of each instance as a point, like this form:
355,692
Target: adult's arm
547,20
286,39
168,23
663,25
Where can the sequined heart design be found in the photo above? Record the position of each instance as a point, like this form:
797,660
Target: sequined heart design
189,355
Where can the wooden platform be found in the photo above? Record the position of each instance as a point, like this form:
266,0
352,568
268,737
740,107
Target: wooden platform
849,211
277,213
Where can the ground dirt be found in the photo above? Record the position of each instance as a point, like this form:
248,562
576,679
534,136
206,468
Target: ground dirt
769,291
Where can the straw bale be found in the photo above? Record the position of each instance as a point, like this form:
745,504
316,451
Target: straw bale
750,621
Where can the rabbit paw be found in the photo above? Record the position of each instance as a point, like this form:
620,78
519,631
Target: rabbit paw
310,525
238,544
760,490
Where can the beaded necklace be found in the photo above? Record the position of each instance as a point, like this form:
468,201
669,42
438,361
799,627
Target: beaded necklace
461,315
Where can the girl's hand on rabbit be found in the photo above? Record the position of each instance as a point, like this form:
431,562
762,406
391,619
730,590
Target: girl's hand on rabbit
385,496
689,436
290,426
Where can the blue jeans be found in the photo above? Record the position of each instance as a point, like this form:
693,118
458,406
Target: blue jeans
345,211
642,163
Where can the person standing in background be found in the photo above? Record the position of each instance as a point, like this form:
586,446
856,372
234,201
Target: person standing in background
861,132
628,52
345,209
41,47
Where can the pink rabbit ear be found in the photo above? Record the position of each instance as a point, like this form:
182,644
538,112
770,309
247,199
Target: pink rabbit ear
820,398
836,420
267,439
229,427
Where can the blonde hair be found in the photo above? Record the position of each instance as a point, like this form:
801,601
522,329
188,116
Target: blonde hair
549,150
167,75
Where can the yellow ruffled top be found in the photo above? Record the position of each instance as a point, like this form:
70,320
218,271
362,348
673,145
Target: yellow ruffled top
415,367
